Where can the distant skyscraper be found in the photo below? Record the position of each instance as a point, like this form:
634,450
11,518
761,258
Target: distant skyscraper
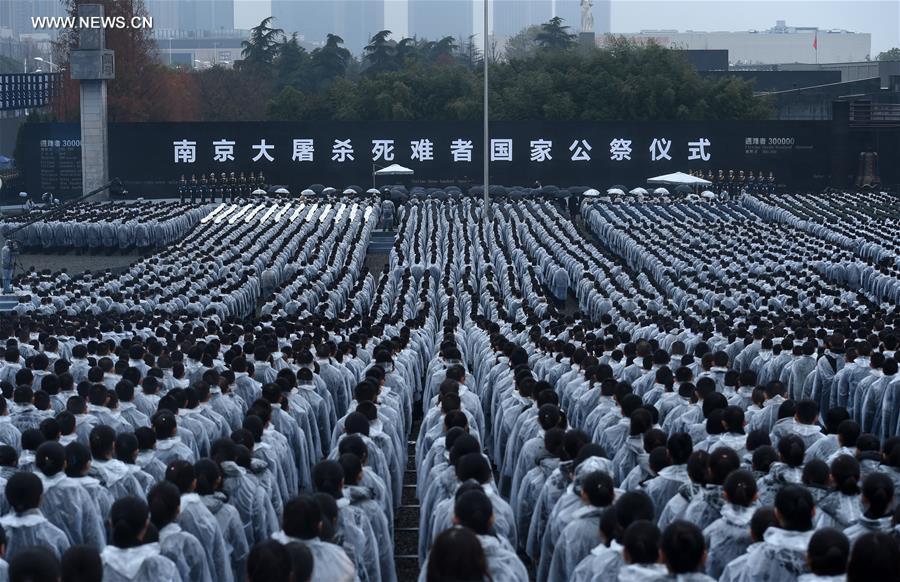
511,16
435,19
191,15
353,20
570,11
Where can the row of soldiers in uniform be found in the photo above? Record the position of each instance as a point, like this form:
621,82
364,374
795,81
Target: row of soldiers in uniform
736,182
224,187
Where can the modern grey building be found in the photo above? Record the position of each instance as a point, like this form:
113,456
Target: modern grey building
435,19
353,20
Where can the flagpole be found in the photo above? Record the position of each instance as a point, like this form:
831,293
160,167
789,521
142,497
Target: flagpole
487,199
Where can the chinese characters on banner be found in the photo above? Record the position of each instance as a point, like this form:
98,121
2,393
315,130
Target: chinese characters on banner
425,150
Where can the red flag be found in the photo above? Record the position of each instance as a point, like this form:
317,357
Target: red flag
816,41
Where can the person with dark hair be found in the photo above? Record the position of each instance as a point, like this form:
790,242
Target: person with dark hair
302,562
81,564
128,558
827,556
607,557
783,553
245,491
582,532
146,457
842,507
164,501
641,553
763,519
683,551
729,536
208,486
457,555
706,507
354,527
694,489
363,498
473,509
875,557
26,526
666,485
303,523
169,445
111,472
197,520
66,504
35,564
269,561
878,494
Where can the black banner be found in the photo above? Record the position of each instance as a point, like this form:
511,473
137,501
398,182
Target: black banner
151,157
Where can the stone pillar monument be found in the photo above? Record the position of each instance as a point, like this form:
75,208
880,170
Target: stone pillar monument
92,64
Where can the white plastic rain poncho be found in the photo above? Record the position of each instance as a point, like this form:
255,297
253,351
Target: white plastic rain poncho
330,561
187,553
642,573
578,538
727,537
666,485
706,507
601,565
71,508
503,563
363,498
229,520
838,510
197,520
31,528
781,558
250,499
141,564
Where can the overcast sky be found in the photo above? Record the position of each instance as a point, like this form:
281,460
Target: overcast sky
879,17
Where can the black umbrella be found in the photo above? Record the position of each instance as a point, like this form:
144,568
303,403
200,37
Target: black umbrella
317,188
684,189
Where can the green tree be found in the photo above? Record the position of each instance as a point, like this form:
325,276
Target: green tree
555,36
441,51
261,49
290,105
890,55
380,54
330,61
523,45
292,66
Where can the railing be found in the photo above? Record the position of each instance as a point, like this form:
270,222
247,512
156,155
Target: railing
868,114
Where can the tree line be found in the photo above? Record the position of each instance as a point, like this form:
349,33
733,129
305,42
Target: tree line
543,74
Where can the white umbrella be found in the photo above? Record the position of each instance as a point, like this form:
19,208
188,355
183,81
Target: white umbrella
394,170
615,192
307,192
638,191
591,193
328,191
282,191
23,194
661,192
259,192
679,178
708,194
349,192
373,191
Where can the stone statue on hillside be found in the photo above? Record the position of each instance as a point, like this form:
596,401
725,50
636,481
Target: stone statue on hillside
587,16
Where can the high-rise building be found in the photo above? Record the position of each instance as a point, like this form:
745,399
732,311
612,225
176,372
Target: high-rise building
191,15
353,20
511,16
435,19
